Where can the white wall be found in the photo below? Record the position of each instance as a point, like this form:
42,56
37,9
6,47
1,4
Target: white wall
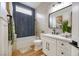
42,18
3,30
75,21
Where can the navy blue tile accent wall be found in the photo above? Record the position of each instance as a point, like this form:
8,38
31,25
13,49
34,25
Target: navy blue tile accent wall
24,24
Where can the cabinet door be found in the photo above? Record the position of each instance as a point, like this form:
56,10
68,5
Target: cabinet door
51,46
44,45
74,51
67,49
3,37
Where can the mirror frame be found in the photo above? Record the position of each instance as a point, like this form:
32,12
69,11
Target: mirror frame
57,11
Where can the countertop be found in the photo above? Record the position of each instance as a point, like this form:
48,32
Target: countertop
59,37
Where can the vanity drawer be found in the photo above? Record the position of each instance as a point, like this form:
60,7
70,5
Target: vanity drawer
60,52
60,44
63,48
63,52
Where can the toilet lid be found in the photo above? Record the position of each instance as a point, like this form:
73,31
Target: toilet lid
37,40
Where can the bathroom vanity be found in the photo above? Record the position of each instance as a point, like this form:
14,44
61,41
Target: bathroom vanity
56,45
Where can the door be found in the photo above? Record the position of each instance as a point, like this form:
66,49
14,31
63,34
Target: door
3,30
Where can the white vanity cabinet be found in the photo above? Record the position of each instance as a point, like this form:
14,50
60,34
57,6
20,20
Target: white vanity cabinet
49,46
63,48
54,45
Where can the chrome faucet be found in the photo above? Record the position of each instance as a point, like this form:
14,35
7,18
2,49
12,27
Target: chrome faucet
54,30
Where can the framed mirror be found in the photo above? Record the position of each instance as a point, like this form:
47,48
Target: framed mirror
59,18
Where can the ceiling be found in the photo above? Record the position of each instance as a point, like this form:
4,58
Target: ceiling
32,4
36,4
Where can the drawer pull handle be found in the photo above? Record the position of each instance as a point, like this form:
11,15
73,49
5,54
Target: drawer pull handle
62,44
47,46
62,53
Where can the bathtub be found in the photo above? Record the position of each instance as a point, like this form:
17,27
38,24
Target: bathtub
23,44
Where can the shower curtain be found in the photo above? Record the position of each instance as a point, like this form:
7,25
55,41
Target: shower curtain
24,23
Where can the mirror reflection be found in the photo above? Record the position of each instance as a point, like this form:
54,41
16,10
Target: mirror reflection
60,21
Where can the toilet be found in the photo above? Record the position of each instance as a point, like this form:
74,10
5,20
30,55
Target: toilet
37,44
